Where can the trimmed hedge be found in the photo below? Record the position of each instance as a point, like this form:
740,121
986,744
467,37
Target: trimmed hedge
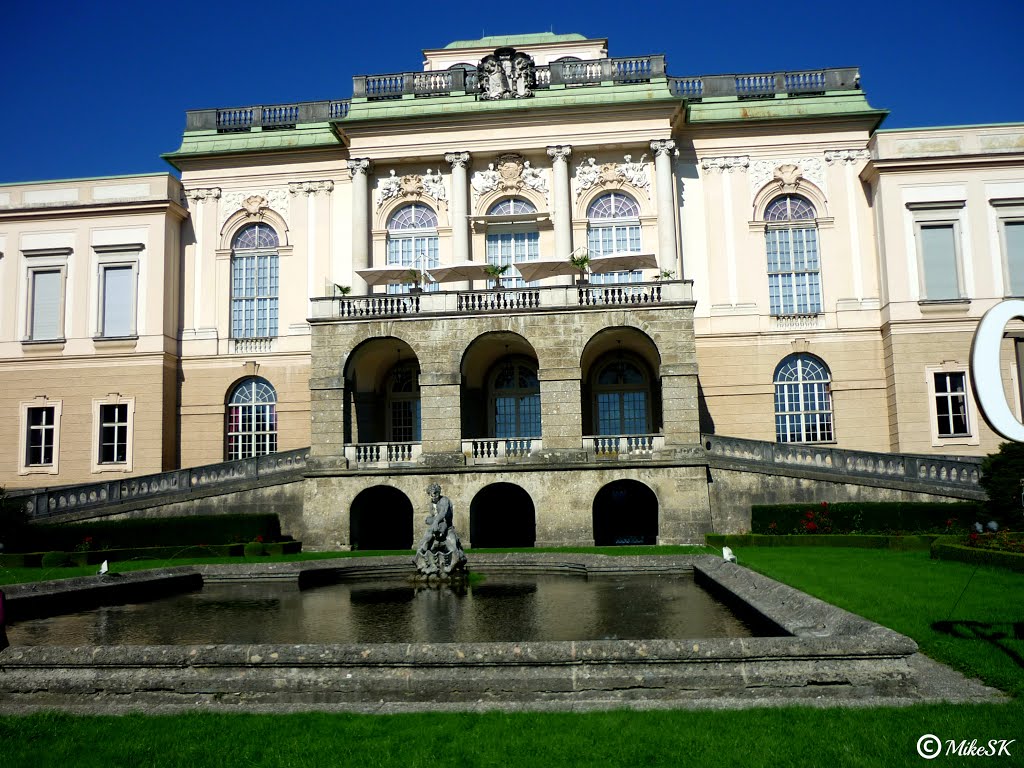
97,556
903,543
978,556
152,532
877,517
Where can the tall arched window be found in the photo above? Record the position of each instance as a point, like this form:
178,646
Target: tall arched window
511,242
791,240
403,394
412,241
622,398
613,226
803,401
252,420
254,282
515,399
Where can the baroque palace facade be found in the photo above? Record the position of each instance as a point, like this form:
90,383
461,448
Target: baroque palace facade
744,255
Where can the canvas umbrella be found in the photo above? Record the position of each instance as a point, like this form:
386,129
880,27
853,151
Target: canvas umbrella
541,268
622,262
463,270
388,275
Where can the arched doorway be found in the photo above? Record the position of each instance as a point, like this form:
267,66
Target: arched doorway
381,518
502,515
625,512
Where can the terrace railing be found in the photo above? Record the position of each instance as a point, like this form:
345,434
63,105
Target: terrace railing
496,450
766,84
615,446
576,297
266,117
362,455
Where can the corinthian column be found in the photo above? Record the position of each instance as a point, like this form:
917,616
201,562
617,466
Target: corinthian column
667,256
459,161
562,209
360,168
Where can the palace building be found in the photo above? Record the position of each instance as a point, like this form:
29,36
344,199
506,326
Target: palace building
533,272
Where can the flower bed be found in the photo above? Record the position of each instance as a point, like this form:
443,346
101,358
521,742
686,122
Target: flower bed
877,541
882,518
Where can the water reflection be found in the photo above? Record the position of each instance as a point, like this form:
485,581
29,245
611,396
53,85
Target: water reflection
503,608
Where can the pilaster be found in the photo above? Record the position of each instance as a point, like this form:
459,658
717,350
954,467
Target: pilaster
360,168
668,258
562,209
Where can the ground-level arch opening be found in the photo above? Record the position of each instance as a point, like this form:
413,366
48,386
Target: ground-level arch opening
502,515
381,518
625,512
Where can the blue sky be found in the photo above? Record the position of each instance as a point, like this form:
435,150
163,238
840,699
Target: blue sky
91,89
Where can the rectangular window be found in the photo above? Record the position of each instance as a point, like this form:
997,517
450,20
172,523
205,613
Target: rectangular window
117,300
939,260
794,281
40,438
46,294
1013,245
113,435
951,404
254,287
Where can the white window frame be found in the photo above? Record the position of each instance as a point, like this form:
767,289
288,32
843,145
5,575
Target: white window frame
936,214
972,437
24,468
1008,211
98,466
112,257
38,261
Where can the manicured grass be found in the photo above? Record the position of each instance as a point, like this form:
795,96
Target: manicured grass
912,594
766,738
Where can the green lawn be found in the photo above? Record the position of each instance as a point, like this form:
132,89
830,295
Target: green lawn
904,590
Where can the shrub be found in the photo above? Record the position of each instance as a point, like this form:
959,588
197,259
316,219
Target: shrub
978,556
885,518
57,560
254,549
13,523
1001,475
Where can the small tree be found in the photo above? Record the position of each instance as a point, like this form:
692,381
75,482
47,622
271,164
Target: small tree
581,261
666,274
342,290
495,272
1002,474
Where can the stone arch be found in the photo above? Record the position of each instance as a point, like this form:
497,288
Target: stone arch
588,196
388,209
476,367
381,517
625,512
502,515
487,200
632,346
243,218
366,372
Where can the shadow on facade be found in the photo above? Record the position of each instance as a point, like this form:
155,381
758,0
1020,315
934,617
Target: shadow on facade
625,512
502,515
381,518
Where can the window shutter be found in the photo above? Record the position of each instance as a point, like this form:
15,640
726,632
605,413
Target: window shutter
46,305
118,300
938,251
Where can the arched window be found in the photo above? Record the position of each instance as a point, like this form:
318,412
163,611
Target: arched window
791,241
403,394
412,242
511,242
254,286
515,399
622,398
803,401
613,226
252,420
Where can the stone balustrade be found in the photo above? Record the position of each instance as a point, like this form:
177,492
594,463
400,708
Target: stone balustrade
285,466
945,471
382,455
556,297
495,450
615,446
559,74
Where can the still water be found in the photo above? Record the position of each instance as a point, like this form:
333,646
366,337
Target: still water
501,608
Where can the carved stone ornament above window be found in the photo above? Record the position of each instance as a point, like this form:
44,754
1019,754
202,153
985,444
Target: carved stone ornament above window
512,173
506,74
787,173
589,174
412,186
253,202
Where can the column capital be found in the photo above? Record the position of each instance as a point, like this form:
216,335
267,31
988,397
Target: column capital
310,187
560,152
457,159
663,147
197,193
360,166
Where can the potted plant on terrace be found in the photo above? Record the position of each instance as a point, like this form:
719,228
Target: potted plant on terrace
580,259
495,272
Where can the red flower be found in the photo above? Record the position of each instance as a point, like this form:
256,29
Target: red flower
811,526
809,515
87,538
949,523
259,539
824,504
772,526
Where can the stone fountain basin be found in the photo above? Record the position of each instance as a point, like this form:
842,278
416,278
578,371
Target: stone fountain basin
823,654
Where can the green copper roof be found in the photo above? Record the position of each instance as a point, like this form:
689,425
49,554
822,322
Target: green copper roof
499,41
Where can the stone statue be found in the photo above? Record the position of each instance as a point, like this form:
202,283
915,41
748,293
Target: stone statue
506,74
440,551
